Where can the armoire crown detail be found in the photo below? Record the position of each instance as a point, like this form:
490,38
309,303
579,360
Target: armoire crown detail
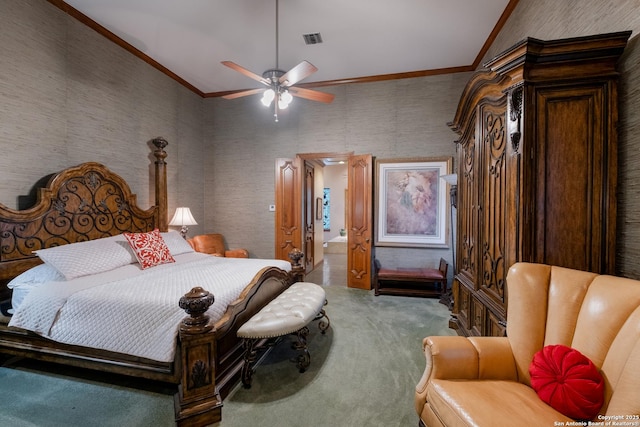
515,114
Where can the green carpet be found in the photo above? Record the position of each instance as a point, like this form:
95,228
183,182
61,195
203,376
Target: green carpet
363,373
43,398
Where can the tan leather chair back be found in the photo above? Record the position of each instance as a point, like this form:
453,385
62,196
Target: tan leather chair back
598,315
208,243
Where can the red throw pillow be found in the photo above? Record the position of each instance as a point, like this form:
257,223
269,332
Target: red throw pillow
567,381
150,248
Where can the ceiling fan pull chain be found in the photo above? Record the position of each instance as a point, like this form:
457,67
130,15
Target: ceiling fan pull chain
275,107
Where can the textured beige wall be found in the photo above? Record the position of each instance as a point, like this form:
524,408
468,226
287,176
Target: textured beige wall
68,95
393,119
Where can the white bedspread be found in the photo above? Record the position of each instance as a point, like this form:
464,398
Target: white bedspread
134,311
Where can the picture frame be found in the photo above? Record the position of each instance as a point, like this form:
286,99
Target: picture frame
411,202
318,208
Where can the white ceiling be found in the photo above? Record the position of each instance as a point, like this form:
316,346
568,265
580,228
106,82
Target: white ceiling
361,38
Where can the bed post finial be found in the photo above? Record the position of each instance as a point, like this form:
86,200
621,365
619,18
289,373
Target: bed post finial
197,401
297,269
161,182
195,303
160,144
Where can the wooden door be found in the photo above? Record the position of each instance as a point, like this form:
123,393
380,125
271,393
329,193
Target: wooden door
468,178
359,222
576,165
494,221
466,275
288,200
309,217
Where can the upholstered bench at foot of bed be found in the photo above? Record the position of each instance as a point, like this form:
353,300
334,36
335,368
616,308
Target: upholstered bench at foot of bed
290,313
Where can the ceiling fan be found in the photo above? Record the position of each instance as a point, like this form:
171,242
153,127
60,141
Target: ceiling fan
280,84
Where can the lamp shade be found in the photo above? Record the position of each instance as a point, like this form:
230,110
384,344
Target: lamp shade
183,217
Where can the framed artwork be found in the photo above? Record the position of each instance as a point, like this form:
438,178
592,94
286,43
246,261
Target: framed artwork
411,202
326,210
318,208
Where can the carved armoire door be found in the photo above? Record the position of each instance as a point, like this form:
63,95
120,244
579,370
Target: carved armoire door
494,221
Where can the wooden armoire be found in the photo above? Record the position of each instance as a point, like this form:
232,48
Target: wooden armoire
537,169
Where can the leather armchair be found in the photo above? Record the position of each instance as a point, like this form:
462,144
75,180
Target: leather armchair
213,244
485,381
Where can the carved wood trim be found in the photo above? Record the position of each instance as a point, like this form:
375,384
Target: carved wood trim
515,115
493,201
197,397
288,219
161,182
82,203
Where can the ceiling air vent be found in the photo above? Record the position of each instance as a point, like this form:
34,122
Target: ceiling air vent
312,38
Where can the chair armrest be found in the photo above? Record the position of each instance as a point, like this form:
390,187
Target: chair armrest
455,357
237,253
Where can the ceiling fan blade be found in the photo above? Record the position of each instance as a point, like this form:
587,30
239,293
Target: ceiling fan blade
297,73
312,95
246,72
242,93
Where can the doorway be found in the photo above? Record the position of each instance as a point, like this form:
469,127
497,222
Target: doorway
291,203
331,271
335,195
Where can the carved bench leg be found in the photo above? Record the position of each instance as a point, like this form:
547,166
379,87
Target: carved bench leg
250,354
323,325
304,359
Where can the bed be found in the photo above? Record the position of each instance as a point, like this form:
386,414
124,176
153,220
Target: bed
89,206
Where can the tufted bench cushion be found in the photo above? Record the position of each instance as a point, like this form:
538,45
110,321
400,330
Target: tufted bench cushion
289,312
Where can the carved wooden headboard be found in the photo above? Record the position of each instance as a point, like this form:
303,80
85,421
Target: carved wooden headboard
84,202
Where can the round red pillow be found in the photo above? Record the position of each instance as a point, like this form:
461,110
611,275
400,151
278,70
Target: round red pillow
567,381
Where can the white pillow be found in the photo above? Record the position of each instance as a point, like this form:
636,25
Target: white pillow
37,275
31,279
91,257
176,243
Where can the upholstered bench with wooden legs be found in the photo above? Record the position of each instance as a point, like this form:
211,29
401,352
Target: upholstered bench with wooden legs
290,313
428,282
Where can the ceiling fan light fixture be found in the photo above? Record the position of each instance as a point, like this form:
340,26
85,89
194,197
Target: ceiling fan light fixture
278,81
284,99
267,97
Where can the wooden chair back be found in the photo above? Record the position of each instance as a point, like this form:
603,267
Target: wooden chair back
443,267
